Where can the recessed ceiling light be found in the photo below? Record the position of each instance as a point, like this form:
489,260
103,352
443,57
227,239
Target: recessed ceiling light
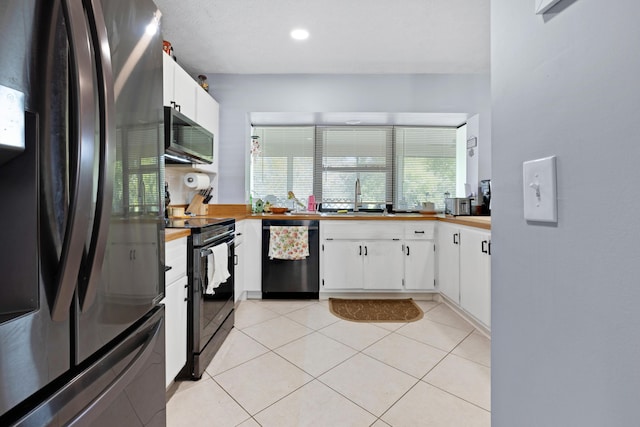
300,34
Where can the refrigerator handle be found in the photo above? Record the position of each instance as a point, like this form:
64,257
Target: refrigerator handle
82,135
115,389
97,247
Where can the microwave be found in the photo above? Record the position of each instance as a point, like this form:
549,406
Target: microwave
185,141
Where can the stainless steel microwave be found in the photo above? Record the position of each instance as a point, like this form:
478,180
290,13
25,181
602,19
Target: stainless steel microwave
185,141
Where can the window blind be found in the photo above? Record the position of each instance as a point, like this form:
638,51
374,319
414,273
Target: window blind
347,153
284,163
425,166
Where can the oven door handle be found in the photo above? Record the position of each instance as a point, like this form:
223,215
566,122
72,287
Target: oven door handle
205,253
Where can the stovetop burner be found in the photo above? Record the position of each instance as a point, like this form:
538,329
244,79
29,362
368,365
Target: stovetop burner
196,223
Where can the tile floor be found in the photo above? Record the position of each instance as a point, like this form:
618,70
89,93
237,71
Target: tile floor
293,363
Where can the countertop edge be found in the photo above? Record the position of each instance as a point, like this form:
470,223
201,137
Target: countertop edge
175,233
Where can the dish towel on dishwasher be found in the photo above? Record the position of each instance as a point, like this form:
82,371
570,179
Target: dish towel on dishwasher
288,242
217,268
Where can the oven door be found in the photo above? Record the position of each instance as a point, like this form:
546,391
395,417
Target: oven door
213,301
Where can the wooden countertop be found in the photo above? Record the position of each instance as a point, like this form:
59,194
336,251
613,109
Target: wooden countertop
240,212
175,233
471,221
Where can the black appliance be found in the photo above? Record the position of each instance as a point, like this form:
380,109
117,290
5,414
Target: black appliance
485,194
81,327
210,306
184,140
295,279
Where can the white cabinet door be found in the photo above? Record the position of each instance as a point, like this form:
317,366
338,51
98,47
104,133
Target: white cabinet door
342,264
253,255
239,262
419,267
168,74
207,111
175,301
448,258
383,264
185,92
175,328
475,274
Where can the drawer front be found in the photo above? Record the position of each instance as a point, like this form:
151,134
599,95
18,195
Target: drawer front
176,258
361,230
420,230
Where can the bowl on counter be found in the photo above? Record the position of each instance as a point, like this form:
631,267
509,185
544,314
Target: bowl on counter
278,210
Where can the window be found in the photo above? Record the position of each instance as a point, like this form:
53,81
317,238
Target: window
400,165
284,163
345,154
425,166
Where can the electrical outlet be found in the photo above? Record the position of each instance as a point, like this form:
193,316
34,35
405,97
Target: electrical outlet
539,187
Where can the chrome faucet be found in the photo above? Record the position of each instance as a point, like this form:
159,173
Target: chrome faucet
356,204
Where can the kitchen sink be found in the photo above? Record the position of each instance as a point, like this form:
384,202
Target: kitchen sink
364,213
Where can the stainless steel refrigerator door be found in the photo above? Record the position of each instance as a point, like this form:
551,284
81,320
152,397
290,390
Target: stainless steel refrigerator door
121,387
131,280
34,350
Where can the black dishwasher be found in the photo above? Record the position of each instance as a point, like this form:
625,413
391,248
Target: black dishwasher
291,278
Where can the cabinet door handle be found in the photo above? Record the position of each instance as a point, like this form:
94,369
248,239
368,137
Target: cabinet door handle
482,247
365,251
418,232
407,250
455,239
360,253
489,250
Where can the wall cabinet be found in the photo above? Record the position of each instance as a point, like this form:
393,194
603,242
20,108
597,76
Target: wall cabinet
179,89
175,301
464,269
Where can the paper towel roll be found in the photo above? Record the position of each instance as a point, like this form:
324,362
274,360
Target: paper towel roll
196,181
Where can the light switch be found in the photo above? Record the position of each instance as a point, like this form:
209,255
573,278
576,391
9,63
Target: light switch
540,198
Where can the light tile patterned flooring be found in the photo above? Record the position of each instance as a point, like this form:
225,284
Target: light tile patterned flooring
293,363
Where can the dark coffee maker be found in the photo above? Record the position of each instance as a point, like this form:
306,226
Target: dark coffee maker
485,194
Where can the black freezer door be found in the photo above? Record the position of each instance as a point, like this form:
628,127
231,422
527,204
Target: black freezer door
121,387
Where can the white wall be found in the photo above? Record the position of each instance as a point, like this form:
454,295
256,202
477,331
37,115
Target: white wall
239,95
565,298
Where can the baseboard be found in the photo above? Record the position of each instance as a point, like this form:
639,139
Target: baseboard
466,316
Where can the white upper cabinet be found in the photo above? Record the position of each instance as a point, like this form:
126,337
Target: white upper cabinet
207,112
184,92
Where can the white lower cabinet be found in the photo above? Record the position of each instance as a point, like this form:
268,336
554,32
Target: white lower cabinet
342,261
464,269
239,262
448,254
175,302
376,255
419,260
252,253
475,274
366,264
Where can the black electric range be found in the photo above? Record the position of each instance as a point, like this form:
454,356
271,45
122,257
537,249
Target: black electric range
210,307
197,223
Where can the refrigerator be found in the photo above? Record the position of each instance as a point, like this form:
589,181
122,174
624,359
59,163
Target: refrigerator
81,214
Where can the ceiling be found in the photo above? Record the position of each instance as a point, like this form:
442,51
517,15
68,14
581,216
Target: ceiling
346,36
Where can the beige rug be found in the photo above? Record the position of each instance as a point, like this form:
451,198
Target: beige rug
376,310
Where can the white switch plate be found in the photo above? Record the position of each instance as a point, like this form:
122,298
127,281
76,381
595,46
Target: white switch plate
539,186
